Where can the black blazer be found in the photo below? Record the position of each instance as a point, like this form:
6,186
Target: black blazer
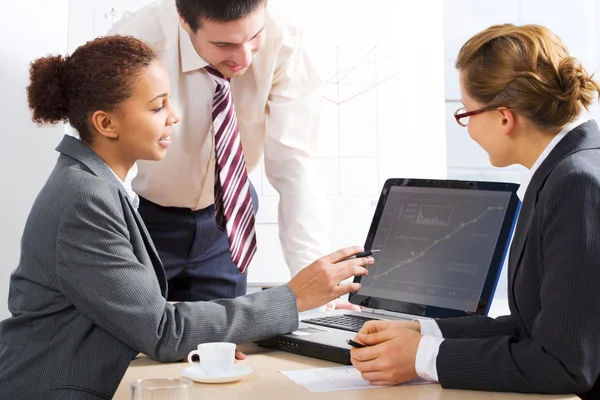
550,343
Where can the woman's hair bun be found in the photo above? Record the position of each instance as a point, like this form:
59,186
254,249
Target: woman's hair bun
45,93
577,84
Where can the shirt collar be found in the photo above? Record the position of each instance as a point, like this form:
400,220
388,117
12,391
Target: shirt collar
133,197
190,60
527,178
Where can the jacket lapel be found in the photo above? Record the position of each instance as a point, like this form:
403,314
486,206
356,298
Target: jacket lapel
74,148
154,257
520,236
585,136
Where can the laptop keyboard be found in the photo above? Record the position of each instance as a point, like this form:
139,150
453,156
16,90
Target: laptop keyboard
347,322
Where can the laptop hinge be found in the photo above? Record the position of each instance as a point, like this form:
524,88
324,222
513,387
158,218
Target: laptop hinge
391,314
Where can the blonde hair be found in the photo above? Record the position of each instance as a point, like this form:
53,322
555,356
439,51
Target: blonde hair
528,69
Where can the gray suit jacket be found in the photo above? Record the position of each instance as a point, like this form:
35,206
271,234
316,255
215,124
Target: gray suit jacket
89,293
551,341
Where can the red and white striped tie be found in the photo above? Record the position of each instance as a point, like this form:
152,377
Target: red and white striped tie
233,202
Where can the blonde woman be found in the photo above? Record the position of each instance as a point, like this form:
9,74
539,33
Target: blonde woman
523,95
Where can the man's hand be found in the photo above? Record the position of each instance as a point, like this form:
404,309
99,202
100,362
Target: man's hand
389,358
319,283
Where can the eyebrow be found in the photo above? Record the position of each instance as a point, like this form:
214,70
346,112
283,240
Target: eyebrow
157,97
228,43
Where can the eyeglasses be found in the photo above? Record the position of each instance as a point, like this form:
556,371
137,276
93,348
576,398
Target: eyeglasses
462,115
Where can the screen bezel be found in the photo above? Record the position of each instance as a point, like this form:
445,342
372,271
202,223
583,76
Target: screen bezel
500,252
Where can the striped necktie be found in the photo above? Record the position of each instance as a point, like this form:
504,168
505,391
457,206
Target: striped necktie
233,202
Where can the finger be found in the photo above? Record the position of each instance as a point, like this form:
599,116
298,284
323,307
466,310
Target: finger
386,378
372,339
346,288
361,262
365,354
381,383
347,306
342,253
367,366
239,355
372,327
374,376
351,271
364,261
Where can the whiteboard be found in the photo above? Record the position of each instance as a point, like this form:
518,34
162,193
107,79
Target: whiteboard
383,111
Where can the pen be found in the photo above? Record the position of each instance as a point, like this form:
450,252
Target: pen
354,344
361,254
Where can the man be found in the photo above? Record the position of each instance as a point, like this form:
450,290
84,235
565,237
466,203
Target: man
198,203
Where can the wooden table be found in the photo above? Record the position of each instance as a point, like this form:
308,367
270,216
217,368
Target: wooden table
266,382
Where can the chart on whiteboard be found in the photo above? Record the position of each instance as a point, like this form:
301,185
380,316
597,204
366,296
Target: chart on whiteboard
378,69
355,79
376,78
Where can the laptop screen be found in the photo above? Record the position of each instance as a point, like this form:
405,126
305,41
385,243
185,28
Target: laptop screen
441,245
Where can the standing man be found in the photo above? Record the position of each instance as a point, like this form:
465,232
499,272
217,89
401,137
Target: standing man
241,81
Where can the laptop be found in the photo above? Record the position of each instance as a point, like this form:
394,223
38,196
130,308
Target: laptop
441,247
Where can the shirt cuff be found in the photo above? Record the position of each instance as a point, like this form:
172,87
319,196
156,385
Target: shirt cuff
430,328
427,352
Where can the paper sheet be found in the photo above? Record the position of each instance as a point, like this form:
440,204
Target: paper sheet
334,379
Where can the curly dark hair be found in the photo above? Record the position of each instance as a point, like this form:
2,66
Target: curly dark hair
98,76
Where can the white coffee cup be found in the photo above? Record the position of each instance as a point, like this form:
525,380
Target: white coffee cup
216,358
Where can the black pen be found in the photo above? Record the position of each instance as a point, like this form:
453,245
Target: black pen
355,344
361,254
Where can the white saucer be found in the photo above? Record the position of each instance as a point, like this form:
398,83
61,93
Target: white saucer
195,374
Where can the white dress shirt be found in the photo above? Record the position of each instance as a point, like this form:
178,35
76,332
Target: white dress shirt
277,102
131,195
429,346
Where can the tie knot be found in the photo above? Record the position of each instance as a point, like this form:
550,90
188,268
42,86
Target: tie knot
216,75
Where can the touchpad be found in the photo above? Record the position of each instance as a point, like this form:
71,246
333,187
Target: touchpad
308,330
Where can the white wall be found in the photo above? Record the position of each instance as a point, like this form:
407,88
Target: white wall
574,21
27,154
368,132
